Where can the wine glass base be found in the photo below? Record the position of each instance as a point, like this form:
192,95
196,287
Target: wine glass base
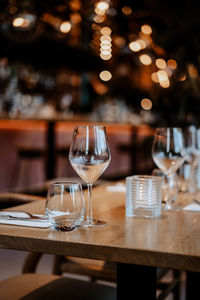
171,207
94,223
167,206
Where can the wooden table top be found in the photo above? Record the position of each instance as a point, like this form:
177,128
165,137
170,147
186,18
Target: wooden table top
169,241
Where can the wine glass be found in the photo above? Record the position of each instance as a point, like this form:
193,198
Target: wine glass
191,137
89,155
168,153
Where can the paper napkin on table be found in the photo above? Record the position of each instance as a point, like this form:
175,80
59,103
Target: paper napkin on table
192,207
119,187
26,222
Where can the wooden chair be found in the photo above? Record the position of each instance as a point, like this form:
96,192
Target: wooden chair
13,199
28,161
32,286
105,271
62,162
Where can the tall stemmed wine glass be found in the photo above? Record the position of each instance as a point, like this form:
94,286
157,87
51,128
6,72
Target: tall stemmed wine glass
89,155
191,137
168,153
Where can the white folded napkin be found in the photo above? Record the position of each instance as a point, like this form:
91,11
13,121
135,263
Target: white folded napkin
119,187
192,207
43,223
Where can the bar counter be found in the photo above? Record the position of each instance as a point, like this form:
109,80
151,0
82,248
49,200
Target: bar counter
53,134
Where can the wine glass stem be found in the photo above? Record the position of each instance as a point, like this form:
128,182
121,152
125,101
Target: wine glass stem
192,183
168,196
89,211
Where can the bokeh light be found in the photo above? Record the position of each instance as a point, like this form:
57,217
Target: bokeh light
127,10
18,22
146,29
161,63
105,75
172,64
65,27
146,104
145,59
106,31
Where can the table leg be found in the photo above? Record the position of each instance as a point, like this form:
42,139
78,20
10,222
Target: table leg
192,285
139,282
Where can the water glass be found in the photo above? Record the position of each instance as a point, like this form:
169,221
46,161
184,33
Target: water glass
65,207
143,196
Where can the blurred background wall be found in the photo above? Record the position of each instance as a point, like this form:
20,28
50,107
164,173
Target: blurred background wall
132,65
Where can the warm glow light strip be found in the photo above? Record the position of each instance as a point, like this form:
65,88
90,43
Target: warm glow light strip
106,43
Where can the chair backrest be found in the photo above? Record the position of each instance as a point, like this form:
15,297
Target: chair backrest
13,199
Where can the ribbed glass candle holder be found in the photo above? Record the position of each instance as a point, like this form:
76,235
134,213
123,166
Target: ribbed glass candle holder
143,196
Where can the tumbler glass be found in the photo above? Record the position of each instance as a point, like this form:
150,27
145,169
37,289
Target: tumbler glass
65,207
143,196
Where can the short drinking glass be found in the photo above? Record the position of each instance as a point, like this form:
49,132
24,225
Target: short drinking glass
143,196
65,206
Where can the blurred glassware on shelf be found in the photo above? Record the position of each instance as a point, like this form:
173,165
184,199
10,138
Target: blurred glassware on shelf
115,109
25,105
188,172
198,165
47,111
184,174
191,145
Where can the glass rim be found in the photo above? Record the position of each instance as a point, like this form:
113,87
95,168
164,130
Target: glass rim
143,177
89,126
67,182
168,127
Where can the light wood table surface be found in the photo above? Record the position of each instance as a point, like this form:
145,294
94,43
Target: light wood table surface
170,241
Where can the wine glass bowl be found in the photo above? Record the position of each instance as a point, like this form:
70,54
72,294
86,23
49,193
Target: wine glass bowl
168,149
168,152
89,155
